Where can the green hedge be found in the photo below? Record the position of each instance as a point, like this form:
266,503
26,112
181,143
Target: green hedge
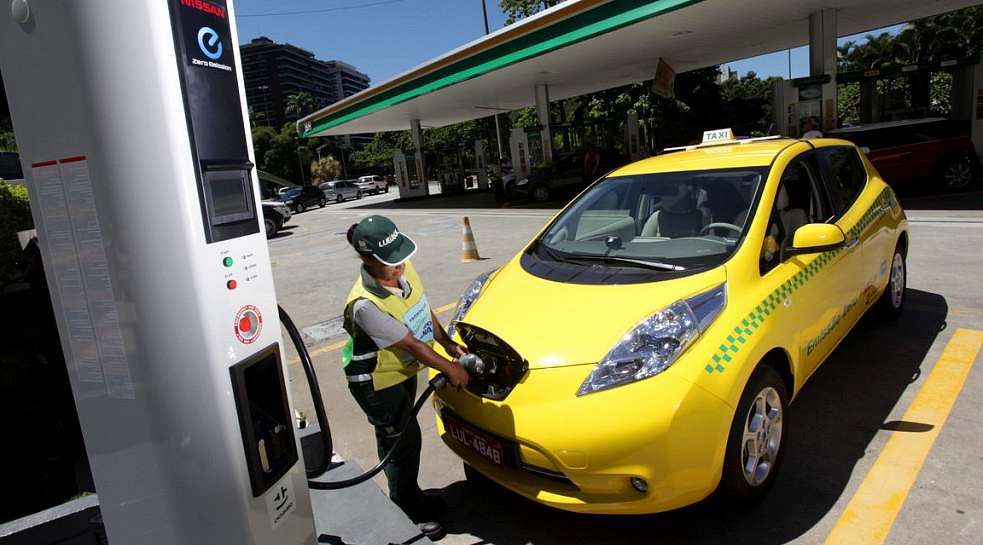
15,215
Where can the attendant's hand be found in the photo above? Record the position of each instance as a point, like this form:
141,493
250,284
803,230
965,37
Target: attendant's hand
455,350
457,375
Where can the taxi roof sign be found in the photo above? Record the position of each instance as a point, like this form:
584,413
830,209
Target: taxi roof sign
719,135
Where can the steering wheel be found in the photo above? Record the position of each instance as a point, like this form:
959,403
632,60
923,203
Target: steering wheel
714,225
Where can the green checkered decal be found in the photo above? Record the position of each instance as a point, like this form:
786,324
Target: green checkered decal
742,331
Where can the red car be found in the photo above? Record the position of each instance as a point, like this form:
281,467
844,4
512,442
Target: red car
917,149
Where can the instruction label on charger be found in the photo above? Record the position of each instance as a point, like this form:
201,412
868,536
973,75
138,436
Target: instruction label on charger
280,501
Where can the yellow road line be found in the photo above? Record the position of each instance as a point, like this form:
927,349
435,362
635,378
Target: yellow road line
868,517
341,344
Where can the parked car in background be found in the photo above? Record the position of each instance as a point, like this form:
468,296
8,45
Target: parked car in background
389,179
913,150
566,173
302,198
275,214
340,190
372,184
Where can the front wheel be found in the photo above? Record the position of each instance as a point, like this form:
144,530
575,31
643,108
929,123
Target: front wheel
891,303
358,195
271,227
339,199
321,202
755,445
301,207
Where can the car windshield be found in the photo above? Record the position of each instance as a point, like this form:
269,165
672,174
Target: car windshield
683,219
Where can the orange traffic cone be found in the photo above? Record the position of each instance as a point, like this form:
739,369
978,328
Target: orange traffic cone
469,250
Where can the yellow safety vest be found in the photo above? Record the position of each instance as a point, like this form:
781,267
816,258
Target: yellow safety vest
386,366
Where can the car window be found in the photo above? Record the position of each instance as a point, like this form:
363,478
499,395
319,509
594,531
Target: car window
798,201
663,217
844,174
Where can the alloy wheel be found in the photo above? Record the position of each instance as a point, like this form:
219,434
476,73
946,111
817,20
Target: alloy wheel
762,437
958,175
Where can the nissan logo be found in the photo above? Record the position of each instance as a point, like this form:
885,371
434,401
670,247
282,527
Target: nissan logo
209,43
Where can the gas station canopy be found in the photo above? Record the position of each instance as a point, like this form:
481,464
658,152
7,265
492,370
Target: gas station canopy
584,46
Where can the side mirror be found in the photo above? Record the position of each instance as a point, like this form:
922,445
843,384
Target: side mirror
865,150
815,238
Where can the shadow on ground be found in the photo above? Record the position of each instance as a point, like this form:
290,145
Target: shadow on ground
831,423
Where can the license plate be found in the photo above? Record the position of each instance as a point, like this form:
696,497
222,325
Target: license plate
478,441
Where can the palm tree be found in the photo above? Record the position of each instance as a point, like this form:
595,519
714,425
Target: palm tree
299,105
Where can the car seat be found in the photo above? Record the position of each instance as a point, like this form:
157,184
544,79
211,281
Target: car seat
791,218
679,216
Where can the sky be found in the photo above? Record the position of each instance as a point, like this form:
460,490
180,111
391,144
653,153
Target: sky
385,38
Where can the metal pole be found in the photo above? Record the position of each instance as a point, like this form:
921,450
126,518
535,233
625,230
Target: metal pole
484,10
300,163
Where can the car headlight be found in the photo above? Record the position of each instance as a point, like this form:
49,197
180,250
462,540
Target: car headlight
657,342
467,299
524,181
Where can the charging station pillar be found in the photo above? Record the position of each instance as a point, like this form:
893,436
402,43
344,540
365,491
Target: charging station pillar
130,119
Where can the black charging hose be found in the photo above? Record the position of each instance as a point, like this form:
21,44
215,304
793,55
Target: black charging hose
435,383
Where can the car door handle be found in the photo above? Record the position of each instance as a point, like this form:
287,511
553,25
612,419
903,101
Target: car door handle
851,243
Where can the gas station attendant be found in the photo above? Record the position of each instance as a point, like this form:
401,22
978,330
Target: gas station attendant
392,330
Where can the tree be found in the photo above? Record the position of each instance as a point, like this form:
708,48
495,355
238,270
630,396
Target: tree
324,169
518,9
281,152
7,141
299,105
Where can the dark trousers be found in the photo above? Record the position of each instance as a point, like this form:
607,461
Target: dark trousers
389,410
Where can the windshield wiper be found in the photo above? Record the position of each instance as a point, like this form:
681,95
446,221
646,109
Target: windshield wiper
640,262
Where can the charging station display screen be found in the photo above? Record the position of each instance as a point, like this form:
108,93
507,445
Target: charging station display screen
229,197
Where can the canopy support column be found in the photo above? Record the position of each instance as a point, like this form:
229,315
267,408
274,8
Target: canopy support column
822,60
421,172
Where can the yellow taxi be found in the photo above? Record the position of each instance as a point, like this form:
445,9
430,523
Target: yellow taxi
641,352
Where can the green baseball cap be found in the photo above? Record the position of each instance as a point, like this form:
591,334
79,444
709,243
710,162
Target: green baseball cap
378,236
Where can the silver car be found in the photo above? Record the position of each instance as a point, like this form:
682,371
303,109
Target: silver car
341,190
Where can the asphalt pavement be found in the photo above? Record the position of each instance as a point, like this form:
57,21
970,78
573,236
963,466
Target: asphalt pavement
845,424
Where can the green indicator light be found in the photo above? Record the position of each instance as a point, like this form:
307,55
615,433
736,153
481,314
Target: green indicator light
227,262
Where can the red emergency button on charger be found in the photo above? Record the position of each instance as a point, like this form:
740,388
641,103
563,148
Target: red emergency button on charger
248,324
231,284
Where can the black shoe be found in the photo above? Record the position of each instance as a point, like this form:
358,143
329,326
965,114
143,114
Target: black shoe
431,529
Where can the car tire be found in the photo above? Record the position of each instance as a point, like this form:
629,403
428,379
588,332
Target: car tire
387,189
891,303
760,425
540,193
358,195
321,202
300,207
339,199
271,227
958,173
